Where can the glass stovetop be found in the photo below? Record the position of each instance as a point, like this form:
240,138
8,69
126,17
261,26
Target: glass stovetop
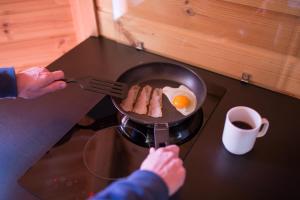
92,155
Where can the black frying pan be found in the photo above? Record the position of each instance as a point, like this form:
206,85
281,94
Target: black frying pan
159,75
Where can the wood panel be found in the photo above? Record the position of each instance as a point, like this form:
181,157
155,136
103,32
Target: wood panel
284,6
35,25
35,32
225,37
10,7
28,53
84,19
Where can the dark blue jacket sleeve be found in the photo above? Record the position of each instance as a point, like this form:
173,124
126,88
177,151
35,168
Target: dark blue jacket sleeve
139,185
8,83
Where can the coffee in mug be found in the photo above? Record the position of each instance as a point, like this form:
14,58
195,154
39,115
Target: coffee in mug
242,126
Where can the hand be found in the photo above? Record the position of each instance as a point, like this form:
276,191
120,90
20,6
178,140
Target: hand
165,163
38,81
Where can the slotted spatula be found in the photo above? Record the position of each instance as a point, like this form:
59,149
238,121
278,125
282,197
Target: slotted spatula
111,88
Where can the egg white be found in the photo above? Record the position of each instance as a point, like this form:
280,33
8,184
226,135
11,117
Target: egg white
171,93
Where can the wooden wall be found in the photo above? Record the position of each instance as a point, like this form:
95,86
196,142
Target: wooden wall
259,37
36,32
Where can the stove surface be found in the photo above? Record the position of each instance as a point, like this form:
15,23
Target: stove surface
31,128
93,154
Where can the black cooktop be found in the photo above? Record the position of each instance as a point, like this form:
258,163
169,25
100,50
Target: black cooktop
100,149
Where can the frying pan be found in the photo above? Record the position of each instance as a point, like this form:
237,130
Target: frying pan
159,75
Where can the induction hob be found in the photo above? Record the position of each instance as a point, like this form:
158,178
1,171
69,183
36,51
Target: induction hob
92,155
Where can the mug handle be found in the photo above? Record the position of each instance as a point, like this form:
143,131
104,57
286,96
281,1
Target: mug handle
263,127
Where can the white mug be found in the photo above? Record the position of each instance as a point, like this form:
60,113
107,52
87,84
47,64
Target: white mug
242,126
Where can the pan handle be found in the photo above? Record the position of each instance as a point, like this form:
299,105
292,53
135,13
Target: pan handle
161,135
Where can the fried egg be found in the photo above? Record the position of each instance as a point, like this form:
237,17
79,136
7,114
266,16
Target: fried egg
182,98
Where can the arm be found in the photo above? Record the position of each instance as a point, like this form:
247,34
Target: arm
8,83
139,185
161,175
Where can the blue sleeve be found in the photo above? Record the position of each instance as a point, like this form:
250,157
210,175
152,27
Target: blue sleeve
8,83
139,185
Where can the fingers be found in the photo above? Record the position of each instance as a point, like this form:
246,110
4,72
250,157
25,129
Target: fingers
177,177
165,154
57,75
151,150
57,85
182,172
171,148
175,163
49,77
178,162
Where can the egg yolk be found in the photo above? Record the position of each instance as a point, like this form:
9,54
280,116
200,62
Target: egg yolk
181,101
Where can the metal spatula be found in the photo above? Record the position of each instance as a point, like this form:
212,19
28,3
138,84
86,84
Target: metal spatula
111,88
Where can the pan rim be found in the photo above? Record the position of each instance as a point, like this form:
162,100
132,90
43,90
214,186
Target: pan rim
171,122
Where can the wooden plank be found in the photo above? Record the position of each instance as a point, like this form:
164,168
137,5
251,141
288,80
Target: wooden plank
35,52
84,19
36,24
11,7
104,5
291,7
217,54
34,32
238,23
290,70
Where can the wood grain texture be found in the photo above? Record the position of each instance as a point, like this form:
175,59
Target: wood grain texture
35,24
283,6
29,53
84,19
35,32
224,37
